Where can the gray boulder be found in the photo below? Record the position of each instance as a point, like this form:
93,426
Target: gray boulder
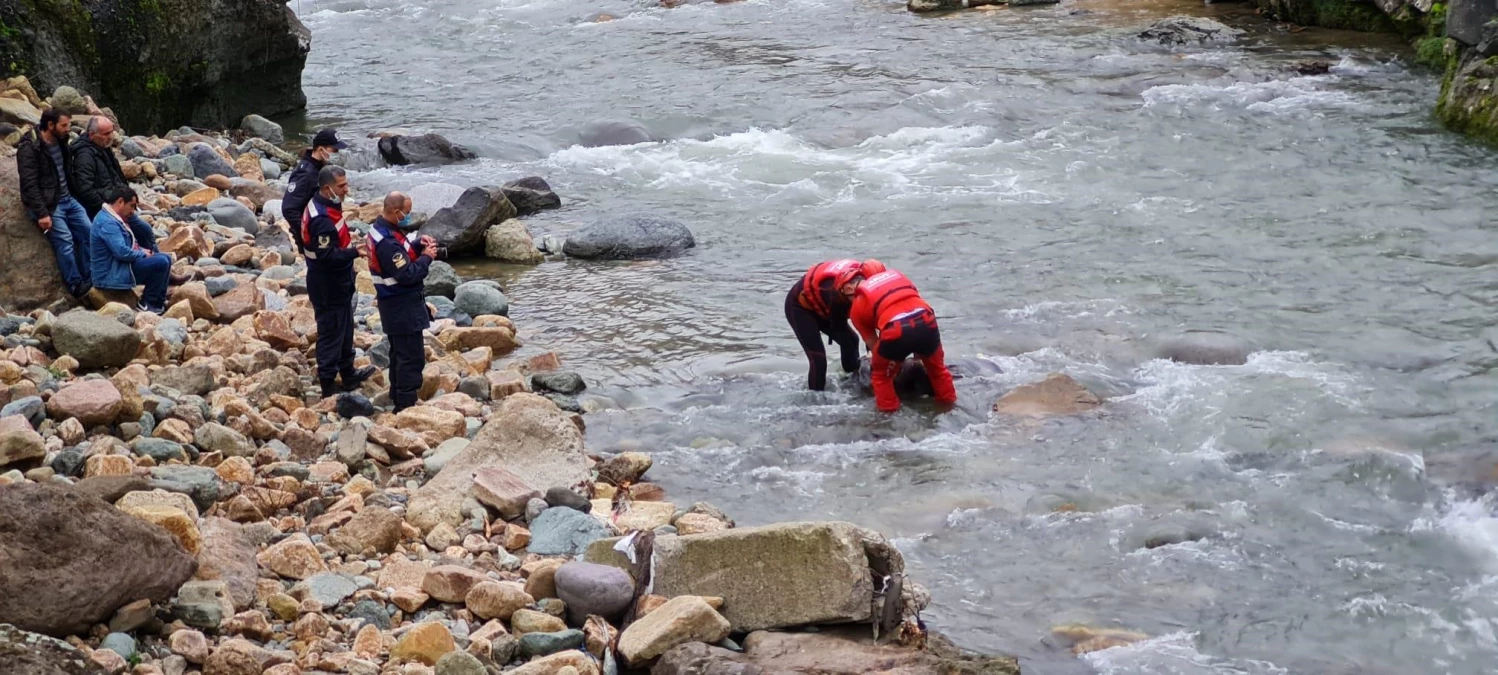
461,227
565,532
31,407
510,242
600,134
206,162
193,380
71,560
231,213
426,149
67,99
476,298
1176,31
24,653
97,341
1472,23
630,237
1207,348
531,195
589,588
562,382
442,280
178,165
271,170
259,127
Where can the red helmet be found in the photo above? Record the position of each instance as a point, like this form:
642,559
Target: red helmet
846,276
871,267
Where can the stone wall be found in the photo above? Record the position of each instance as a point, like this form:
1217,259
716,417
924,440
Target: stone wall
161,63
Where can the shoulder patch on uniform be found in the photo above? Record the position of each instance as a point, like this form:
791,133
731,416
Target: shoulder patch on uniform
324,241
400,260
291,187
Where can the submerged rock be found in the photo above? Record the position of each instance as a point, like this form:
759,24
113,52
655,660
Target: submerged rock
531,195
1057,394
601,134
1207,348
630,237
425,150
1189,30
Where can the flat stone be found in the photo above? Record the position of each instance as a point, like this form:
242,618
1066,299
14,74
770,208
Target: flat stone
681,620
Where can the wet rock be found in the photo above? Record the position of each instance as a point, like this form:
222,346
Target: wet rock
96,341
259,127
531,195
681,620
559,496
442,280
1057,394
528,436
592,589
630,237
1207,348
1178,31
510,242
461,227
72,560
911,383
568,383
600,134
565,532
789,574
424,150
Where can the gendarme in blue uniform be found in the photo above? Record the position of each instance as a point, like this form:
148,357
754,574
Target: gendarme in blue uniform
400,273
330,284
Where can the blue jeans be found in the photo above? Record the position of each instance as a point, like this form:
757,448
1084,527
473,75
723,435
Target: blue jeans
70,237
153,272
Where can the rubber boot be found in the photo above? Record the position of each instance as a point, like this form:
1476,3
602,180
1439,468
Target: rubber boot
329,388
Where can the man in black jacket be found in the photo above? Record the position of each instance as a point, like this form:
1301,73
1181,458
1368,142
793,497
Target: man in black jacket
44,166
330,253
302,184
96,173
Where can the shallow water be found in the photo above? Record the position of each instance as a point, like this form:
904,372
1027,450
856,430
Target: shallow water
1065,196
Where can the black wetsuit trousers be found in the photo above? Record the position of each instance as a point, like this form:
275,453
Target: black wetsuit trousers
809,329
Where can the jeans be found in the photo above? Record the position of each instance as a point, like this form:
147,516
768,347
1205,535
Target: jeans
153,272
70,236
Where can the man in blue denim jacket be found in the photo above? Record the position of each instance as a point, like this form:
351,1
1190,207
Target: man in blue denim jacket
124,252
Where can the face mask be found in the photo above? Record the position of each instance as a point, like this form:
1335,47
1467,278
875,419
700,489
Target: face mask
405,223
335,199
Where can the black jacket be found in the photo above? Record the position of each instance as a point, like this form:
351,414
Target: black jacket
95,174
300,186
399,282
326,253
40,191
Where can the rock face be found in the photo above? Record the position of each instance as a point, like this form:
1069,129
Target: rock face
23,653
157,67
1469,97
1057,394
528,435
97,341
790,574
427,149
629,237
28,270
1189,30
71,560
461,227
1344,14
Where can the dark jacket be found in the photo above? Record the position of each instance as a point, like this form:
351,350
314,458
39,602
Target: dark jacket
301,185
400,277
95,173
325,247
40,191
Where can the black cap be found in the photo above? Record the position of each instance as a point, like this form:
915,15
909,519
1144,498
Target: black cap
328,137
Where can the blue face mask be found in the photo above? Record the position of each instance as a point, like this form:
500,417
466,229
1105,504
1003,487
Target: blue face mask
405,223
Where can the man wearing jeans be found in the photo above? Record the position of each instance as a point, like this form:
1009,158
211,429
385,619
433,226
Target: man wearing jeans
44,165
124,252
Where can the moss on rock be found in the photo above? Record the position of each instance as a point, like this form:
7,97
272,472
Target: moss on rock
1469,96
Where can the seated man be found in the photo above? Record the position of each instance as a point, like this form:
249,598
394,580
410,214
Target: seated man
124,254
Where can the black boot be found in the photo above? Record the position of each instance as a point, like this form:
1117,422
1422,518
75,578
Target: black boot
329,388
352,382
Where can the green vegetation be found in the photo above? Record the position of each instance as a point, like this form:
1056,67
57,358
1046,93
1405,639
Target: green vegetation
1468,103
157,83
1431,52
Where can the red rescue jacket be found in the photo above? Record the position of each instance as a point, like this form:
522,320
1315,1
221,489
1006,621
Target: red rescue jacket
817,292
881,300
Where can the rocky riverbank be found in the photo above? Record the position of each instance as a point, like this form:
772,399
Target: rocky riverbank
180,499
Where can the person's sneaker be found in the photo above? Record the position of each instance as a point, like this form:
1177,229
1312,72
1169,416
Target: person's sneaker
354,381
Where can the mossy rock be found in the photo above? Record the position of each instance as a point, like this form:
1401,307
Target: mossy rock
1469,97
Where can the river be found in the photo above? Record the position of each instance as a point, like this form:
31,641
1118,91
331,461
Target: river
1066,196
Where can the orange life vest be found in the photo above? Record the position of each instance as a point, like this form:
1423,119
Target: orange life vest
811,285
883,299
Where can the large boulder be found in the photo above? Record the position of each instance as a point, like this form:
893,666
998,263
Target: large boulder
510,242
629,237
206,162
442,280
231,213
259,127
1178,31
97,341
531,194
426,150
71,560
1474,23
527,435
24,653
789,574
91,402
479,298
159,66
1469,98
461,227
28,269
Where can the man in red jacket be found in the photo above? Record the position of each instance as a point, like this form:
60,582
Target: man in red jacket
895,322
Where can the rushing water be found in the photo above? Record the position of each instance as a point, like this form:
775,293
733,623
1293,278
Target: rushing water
1065,195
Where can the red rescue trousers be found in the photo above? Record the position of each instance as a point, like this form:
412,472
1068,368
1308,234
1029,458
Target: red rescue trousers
916,334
